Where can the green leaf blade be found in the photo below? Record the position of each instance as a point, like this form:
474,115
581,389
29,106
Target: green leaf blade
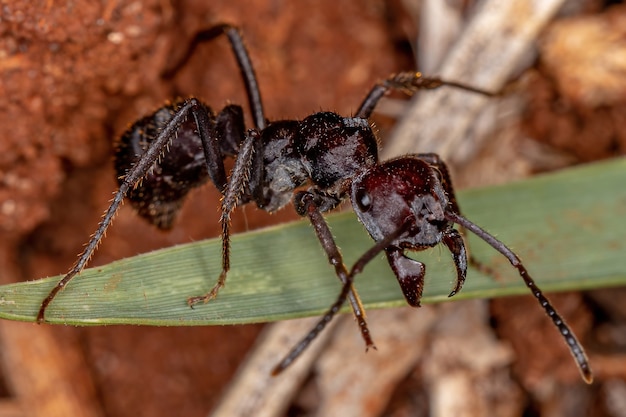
568,228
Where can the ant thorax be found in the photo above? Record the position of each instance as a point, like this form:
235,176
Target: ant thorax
325,150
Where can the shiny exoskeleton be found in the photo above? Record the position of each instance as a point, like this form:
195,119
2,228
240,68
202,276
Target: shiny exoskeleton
406,204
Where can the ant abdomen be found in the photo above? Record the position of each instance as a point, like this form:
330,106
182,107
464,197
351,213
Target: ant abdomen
160,194
182,165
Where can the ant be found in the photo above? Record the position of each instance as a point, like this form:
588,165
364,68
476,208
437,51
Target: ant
406,203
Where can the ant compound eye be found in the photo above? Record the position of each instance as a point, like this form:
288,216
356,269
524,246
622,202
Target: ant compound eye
363,200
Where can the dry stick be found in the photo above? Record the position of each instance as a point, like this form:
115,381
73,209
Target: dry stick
488,51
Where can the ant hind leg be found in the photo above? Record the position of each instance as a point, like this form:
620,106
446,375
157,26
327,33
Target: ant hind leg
243,62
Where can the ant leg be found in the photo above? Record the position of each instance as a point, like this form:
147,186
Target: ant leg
132,177
453,214
570,338
235,189
305,204
409,83
306,341
243,61
328,243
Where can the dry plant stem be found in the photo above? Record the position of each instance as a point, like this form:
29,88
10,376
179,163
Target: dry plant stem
351,383
254,391
491,48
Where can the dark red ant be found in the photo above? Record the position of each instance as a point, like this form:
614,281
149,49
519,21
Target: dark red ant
407,203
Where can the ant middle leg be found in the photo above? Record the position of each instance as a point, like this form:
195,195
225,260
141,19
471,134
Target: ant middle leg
245,164
306,205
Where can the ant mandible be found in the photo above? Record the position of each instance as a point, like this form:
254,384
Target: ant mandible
406,203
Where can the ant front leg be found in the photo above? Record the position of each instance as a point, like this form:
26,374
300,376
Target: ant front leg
235,189
307,204
453,214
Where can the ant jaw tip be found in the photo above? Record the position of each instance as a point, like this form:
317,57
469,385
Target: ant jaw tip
452,293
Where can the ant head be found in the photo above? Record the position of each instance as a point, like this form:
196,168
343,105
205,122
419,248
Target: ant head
405,197
387,196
